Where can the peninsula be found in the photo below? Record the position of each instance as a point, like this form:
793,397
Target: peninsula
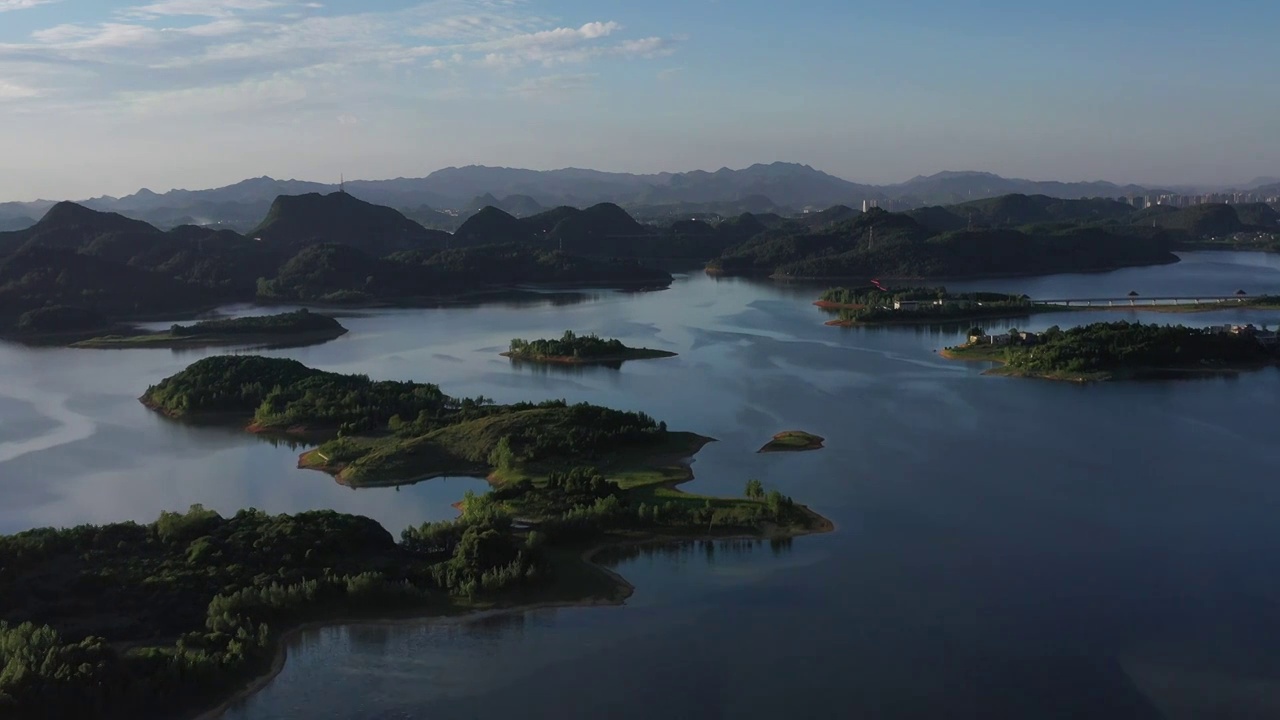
793,441
300,327
1121,351
576,349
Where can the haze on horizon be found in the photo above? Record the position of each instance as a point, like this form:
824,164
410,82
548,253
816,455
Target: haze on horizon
108,96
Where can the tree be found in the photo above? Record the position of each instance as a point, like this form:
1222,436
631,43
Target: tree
502,456
755,490
976,331
775,502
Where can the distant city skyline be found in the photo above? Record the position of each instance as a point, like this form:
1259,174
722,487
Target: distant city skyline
107,97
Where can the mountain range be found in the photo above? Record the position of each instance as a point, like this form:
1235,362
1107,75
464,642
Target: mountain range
446,198
337,248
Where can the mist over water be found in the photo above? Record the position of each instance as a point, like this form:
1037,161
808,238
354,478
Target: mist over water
1005,548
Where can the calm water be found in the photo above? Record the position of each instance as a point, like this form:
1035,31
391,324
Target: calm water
1005,548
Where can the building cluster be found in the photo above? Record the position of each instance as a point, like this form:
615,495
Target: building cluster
1266,338
1181,201
1009,338
923,304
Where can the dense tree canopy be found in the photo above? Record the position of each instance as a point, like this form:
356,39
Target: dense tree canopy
127,620
568,345
1121,346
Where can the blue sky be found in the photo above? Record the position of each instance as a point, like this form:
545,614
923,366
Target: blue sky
106,96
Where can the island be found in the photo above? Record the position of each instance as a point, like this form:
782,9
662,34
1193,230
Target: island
184,614
878,305
1121,351
793,441
300,327
573,349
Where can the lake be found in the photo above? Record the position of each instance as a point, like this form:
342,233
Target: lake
1004,547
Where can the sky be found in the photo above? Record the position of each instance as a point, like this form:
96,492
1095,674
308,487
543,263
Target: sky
109,96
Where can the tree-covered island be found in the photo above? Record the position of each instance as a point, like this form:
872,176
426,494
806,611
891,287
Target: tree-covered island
877,305
300,327
575,349
168,618
1120,351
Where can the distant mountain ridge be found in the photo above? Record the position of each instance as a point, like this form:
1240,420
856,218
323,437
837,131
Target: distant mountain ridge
445,198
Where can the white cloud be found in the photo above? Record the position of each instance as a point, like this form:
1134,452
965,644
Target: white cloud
153,51
243,97
205,8
107,35
553,85
7,5
14,91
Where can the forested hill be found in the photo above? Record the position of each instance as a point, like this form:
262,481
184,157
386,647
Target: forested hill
85,260
303,220
939,243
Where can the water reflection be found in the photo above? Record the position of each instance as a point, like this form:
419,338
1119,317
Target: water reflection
683,550
540,368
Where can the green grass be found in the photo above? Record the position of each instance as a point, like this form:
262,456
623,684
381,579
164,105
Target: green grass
465,448
793,441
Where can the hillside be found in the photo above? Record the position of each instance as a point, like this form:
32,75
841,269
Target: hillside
1198,220
69,226
297,221
948,187
1259,215
122,268
36,277
897,245
342,274
1016,210
491,226
9,223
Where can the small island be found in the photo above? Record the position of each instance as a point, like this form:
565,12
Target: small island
573,349
1121,351
300,327
878,305
793,441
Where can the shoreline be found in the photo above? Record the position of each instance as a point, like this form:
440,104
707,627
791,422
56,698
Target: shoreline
966,278
623,590
495,293
1044,309
165,341
1128,374
773,273
1028,312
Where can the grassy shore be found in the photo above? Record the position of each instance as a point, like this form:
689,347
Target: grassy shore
793,441
419,459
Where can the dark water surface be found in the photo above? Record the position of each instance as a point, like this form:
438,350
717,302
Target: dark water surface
1005,548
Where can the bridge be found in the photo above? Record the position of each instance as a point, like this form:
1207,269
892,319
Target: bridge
1136,301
